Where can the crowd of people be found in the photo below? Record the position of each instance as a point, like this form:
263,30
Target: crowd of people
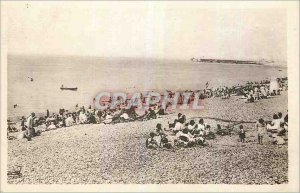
81,115
250,92
183,133
180,133
64,118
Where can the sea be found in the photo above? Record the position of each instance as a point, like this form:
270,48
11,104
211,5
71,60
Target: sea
92,75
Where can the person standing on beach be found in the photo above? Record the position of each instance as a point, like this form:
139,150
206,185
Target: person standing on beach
260,126
29,124
23,126
242,134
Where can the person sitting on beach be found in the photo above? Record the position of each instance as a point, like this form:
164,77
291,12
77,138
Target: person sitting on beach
191,126
274,125
221,131
82,109
91,118
159,130
225,95
260,126
184,138
263,92
171,125
52,126
280,117
49,120
98,114
165,142
178,126
201,125
69,121
151,143
182,119
90,108
151,114
61,121
250,98
251,92
199,138
256,94
124,117
82,117
278,137
282,131
245,97
242,134
208,133
11,127
108,118
161,111
207,130
132,113
283,124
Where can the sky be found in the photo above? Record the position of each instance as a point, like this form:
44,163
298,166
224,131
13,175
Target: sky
145,29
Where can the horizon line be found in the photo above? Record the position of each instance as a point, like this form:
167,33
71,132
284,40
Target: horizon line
141,57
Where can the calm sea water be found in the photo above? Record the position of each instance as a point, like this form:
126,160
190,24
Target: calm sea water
92,75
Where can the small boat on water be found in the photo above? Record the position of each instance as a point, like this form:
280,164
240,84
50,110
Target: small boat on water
68,88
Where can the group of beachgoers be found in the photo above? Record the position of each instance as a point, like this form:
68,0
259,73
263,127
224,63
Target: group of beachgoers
81,115
64,118
276,129
183,133
180,133
250,92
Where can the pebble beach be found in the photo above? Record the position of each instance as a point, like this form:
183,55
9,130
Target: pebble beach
116,153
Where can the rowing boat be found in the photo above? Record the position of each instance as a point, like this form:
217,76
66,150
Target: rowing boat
65,88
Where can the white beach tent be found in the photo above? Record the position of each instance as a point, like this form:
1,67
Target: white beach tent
274,85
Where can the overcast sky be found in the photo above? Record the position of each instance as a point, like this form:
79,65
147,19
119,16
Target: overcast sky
144,29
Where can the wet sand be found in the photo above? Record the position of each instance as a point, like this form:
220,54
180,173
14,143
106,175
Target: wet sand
99,153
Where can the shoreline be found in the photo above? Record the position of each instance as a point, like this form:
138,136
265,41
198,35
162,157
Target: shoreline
16,118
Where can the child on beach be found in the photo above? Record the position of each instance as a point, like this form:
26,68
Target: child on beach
242,134
260,126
